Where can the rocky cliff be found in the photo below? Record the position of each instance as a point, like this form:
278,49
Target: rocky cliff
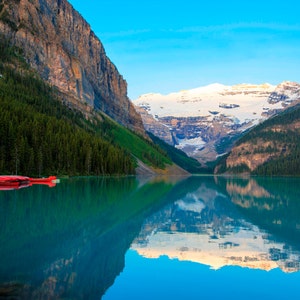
60,45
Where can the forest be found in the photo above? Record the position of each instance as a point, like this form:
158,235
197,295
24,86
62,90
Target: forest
284,134
40,135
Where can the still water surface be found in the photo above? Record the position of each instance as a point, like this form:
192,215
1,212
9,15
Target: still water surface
152,238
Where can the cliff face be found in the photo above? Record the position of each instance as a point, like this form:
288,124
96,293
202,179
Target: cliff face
155,127
60,45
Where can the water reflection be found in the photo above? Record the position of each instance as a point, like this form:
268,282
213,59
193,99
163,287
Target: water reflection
243,222
71,241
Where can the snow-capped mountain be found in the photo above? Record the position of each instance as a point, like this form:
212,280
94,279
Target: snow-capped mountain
203,121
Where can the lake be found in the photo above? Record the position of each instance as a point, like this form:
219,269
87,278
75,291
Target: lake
197,237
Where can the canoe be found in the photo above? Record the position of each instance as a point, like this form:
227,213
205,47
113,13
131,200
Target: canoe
43,180
15,181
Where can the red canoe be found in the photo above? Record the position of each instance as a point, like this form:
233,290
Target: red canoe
42,180
15,181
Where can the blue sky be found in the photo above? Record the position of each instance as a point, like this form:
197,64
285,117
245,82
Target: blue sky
166,46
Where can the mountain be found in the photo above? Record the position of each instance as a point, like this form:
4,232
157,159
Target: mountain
204,122
271,148
47,126
60,45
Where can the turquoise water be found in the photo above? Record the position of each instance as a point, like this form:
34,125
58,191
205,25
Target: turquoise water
152,238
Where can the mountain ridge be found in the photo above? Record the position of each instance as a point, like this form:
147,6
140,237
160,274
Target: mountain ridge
204,122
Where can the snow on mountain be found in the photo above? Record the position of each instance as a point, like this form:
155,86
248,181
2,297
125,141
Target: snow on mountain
241,102
198,119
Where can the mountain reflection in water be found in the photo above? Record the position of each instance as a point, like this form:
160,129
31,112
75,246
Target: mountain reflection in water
243,222
70,241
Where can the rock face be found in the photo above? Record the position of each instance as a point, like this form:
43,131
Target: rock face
60,45
253,155
275,144
204,122
154,126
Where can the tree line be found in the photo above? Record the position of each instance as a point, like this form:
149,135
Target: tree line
40,136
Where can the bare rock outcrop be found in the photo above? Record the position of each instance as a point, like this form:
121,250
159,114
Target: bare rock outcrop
60,45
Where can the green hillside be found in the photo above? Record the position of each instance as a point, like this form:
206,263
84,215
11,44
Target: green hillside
278,140
41,136
286,141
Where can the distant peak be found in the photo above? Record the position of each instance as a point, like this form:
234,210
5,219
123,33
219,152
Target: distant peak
216,88
253,86
288,83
